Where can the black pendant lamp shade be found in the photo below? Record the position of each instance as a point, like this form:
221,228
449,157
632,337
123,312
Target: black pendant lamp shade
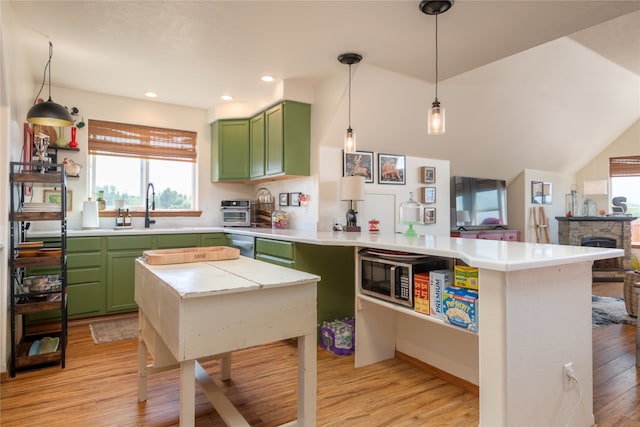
436,117
350,137
435,7
48,113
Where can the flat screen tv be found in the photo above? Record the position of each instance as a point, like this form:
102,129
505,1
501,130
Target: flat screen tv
478,203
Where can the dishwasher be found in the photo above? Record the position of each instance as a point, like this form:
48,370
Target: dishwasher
246,244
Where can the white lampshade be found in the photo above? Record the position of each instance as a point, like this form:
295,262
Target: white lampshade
597,187
352,188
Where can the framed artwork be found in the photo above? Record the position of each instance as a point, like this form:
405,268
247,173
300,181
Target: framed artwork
391,169
358,163
541,192
429,215
283,199
294,199
429,195
428,175
55,196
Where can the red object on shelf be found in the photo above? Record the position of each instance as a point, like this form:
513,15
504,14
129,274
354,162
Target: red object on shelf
73,143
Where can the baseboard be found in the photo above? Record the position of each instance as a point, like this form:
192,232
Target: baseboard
450,378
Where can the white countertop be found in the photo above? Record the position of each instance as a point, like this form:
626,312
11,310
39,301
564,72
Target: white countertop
489,254
197,279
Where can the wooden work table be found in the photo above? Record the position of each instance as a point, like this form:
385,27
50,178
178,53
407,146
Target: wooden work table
208,309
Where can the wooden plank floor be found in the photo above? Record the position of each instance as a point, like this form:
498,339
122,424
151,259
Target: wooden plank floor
98,388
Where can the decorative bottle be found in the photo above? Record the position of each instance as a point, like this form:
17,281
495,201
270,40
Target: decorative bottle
119,219
127,219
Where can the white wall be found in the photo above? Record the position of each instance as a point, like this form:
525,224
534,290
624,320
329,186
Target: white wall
627,144
520,206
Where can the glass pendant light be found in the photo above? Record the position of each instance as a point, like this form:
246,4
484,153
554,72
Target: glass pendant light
435,117
48,113
350,136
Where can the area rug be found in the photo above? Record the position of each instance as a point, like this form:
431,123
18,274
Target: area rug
606,310
114,330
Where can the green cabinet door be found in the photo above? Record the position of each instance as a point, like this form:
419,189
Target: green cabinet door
274,148
230,150
257,148
121,280
120,259
288,139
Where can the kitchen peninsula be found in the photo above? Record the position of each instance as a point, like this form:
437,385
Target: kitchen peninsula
534,317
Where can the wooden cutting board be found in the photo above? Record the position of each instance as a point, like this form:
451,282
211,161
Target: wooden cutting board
185,255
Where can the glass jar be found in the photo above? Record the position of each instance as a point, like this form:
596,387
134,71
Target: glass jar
102,203
411,212
279,219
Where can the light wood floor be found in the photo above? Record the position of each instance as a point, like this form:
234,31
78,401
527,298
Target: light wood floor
98,388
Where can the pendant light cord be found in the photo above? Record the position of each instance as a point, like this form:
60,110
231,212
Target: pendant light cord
44,75
349,96
437,56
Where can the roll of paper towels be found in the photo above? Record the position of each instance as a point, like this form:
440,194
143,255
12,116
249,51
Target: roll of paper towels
90,218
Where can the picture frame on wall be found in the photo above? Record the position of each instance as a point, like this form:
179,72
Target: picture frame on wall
55,196
283,199
429,215
358,163
428,194
428,175
294,199
391,169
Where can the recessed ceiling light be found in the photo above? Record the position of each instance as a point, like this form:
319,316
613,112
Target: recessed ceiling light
226,97
150,94
267,79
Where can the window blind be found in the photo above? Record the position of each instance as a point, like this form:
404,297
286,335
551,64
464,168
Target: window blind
145,142
624,166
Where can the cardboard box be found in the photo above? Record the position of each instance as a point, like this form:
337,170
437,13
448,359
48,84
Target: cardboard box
460,307
466,277
439,280
421,293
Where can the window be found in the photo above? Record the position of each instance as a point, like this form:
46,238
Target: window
125,158
625,181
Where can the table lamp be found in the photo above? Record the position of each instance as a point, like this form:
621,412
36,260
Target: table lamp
352,189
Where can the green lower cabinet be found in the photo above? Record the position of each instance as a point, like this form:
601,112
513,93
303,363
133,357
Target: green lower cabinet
215,239
336,267
276,252
121,280
85,300
120,260
170,241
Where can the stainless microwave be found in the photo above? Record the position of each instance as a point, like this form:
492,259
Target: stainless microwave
389,275
236,213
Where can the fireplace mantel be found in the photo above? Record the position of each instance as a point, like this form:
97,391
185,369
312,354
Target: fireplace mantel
577,229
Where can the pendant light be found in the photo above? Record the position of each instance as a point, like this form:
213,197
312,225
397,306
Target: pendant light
48,113
350,136
436,123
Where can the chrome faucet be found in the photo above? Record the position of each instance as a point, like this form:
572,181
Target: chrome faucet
148,221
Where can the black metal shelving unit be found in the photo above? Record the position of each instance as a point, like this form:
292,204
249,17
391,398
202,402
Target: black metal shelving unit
48,295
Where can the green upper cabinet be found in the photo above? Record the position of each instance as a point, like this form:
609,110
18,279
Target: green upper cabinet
256,138
230,150
288,139
275,142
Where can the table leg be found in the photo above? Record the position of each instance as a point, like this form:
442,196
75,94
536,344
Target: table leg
142,365
187,393
225,367
307,381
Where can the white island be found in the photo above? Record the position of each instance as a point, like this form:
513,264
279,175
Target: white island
194,311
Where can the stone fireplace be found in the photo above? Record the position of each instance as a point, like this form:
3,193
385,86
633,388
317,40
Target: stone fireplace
604,232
